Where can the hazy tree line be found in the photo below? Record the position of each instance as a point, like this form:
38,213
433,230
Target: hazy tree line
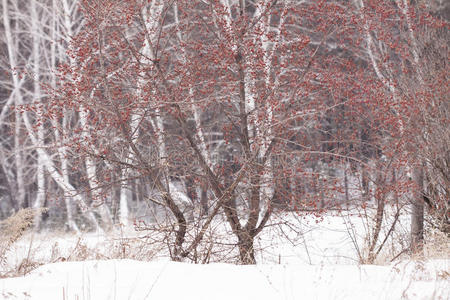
170,114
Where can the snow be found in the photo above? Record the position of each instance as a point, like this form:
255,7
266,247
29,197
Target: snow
129,279
311,259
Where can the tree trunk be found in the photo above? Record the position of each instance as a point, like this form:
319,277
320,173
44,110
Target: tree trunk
40,195
246,249
347,196
380,199
98,202
365,184
19,160
62,153
417,211
125,196
204,201
71,224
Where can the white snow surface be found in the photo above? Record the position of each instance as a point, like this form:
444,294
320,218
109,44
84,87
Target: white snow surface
129,279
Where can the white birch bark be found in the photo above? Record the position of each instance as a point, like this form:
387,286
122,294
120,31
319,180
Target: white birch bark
370,46
91,170
18,158
125,196
125,191
64,169
404,7
35,32
265,133
61,149
10,102
18,155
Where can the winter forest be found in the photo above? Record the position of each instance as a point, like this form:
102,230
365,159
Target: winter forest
200,135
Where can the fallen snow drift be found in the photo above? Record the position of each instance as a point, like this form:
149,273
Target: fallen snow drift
129,279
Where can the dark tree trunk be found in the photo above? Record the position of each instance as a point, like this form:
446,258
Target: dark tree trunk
347,196
380,200
246,249
417,211
365,184
190,189
204,201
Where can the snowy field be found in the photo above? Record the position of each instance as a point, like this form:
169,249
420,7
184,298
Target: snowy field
315,259
129,279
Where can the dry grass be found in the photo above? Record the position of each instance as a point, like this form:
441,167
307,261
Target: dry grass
11,230
28,250
437,245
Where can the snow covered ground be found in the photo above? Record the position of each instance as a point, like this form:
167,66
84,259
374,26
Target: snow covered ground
315,259
129,279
